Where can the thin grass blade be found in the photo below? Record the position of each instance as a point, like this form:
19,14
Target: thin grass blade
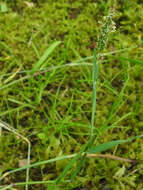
109,145
139,62
45,55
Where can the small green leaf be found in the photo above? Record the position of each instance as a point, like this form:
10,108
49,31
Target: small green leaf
120,172
4,8
41,136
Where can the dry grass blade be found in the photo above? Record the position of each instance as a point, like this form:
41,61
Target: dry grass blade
109,156
12,76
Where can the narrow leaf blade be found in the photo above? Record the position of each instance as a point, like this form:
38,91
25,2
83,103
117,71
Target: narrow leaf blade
46,55
132,60
108,145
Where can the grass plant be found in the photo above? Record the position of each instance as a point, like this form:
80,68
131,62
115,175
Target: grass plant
49,101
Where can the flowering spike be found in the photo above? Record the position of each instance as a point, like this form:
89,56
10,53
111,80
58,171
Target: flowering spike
106,28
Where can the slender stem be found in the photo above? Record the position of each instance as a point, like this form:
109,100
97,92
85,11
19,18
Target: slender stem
28,169
94,78
24,183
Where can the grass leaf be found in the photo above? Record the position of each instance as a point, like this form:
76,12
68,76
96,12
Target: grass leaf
45,55
108,145
132,60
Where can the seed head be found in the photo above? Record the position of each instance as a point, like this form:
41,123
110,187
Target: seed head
106,28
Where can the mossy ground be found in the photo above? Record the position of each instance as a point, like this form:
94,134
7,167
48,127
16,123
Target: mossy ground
57,122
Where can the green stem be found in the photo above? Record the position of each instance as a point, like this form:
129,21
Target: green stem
95,77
